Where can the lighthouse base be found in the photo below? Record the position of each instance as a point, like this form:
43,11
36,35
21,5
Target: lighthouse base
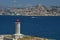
18,36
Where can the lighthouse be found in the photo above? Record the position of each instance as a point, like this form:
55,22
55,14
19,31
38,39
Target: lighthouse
17,30
17,27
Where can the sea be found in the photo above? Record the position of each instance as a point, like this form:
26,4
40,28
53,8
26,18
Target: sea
40,26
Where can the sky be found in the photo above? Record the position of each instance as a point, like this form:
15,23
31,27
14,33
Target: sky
25,3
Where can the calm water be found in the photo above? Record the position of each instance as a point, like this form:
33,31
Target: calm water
48,27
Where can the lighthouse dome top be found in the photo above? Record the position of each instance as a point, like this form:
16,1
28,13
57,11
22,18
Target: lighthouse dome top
17,20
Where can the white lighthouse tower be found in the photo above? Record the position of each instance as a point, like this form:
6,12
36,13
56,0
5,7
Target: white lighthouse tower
17,27
17,31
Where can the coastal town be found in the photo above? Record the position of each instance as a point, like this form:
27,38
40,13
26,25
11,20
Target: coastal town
29,19
38,10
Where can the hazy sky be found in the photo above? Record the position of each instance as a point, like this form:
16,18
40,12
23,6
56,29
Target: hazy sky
22,3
